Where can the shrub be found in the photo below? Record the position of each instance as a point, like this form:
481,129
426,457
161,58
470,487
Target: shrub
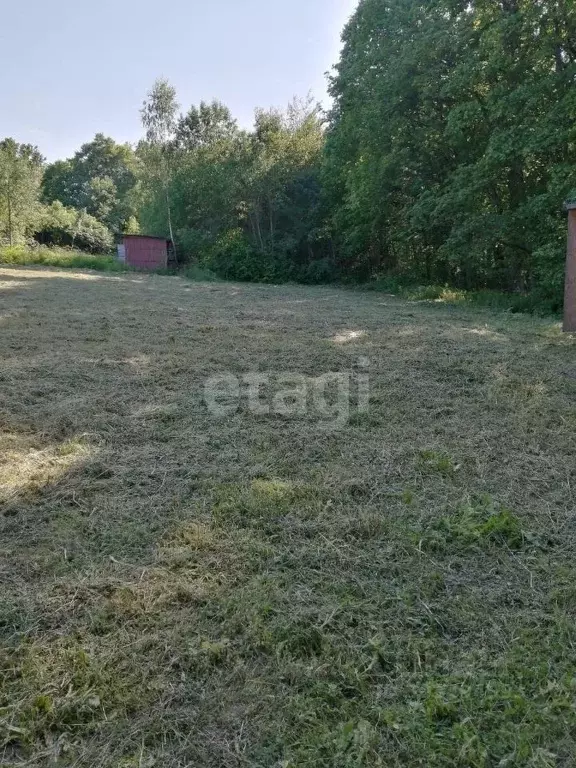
63,226
318,272
544,300
199,274
193,244
233,258
58,257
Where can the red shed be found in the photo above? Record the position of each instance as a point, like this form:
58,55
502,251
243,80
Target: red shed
144,252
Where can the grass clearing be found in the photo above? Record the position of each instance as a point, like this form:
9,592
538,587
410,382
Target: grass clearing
180,590
65,258
531,303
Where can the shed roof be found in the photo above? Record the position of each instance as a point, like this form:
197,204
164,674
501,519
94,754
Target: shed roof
149,237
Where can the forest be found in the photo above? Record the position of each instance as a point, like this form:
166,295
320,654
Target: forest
445,158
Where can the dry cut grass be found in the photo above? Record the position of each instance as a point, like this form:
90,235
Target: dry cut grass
179,590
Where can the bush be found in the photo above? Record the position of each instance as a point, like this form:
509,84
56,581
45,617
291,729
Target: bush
540,301
58,257
193,244
199,274
233,258
549,278
318,272
63,226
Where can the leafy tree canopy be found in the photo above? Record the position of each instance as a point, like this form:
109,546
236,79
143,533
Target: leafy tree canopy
452,141
20,178
101,178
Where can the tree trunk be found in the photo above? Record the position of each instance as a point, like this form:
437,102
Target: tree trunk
259,230
170,223
9,199
271,219
519,256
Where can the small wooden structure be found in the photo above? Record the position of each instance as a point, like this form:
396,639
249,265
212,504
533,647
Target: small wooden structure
570,291
144,252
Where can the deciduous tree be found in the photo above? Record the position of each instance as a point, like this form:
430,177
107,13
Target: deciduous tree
160,119
100,178
20,178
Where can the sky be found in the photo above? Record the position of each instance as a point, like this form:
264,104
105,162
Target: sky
72,68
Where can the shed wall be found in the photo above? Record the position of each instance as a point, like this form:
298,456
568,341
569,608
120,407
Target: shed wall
146,252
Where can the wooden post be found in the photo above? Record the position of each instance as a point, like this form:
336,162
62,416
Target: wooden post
570,294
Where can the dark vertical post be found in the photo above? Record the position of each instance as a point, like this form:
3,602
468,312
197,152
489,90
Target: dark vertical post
570,293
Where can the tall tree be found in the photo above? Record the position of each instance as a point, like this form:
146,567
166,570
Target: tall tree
100,178
246,203
20,178
451,144
205,125
159,117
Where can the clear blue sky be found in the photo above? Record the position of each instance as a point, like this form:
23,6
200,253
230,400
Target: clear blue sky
71,68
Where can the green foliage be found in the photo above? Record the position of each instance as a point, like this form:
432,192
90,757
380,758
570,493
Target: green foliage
62,226
132,227
101,179
451,145
23,216
20,177
159,113
199,274
245,204
58,257
441,175
432,461
159,118
537,302
476,525
205,125
318,271
232,257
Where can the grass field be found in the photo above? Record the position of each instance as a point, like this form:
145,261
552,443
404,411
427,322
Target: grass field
268,590
66,258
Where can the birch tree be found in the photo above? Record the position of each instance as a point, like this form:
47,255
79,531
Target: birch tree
160,114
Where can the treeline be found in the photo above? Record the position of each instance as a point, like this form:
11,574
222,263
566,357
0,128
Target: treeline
246,204
29,211
448,152
453,141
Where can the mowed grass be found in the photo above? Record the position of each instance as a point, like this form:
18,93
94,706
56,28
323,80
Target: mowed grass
260,590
